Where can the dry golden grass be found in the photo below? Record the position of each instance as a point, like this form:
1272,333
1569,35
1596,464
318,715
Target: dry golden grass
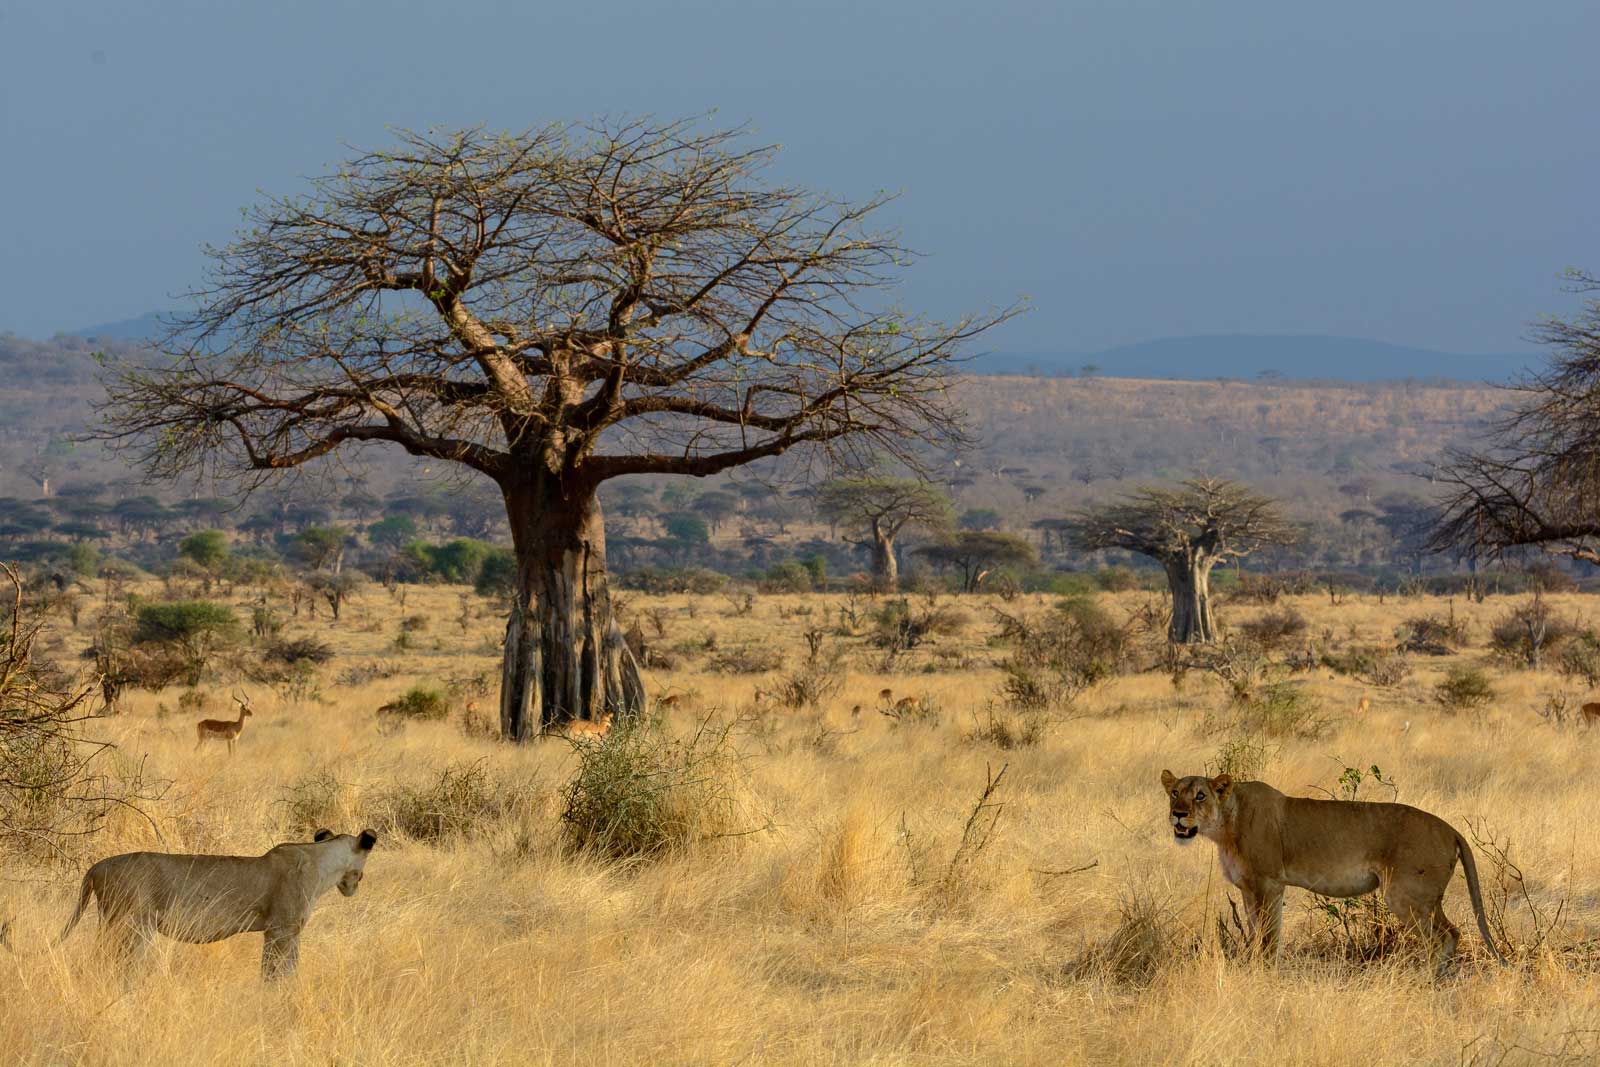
855,928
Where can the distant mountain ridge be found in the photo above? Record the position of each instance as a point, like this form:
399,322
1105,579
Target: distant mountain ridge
1291,356
1197,357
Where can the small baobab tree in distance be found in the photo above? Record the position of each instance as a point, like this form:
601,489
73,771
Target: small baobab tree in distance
883,507
551,310
1188,528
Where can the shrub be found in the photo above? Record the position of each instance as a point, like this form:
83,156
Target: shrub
641,793
1275,628
1059,657
1430,636
1580,658
51,790
300,650
463,802
1464,687
746,659
1285,709
1524,634
1376,666
812,685
425,702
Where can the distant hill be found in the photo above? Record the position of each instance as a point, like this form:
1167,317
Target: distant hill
1197,358
1243,356
146,327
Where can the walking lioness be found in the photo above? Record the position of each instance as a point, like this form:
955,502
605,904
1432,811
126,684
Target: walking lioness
199,899
1338,848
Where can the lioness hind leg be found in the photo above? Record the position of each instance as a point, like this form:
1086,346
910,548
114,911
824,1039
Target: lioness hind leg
1424,914
1446,937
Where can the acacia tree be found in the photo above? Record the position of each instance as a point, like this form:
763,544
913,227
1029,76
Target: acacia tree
1188,529
1537,483
551,310
884,506
976,554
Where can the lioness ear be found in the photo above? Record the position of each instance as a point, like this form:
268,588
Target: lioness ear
1221,784
322,835
1168,781
367,839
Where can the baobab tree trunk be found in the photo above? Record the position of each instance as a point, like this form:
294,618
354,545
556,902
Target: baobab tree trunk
885,568
565,657
1189,578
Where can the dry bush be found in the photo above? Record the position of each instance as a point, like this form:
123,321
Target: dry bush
1275,629
641,793
746,659
314,800
52,787
811,685
298,650
367,673
1007,730
1146,941
1430,635
1057,658
1524,635
464,801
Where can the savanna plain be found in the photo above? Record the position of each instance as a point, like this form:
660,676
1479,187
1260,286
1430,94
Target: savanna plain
827,874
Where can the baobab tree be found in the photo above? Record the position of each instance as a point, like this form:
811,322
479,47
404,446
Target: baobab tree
883,507
550,310
1537,483
1188,529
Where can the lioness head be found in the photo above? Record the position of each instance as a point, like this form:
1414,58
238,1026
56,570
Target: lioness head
1195,803
360,848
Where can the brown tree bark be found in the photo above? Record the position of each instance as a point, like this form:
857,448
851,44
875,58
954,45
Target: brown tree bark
885,568
565,657
1189,578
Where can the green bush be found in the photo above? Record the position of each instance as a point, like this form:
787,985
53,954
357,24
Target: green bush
642,793
1464,688
497,576
425,702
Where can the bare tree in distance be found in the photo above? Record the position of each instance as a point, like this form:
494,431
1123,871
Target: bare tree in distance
1537,482
1188,528
550,310
884,507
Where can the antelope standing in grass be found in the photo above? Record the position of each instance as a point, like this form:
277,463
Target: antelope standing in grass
223,729
1591,714
595,728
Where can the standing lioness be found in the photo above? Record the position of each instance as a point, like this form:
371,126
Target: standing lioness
199,899
1338,848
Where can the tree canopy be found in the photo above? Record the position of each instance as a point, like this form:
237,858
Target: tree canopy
1536,483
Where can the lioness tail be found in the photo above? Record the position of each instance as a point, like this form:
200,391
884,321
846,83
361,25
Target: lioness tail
77,913
1470,866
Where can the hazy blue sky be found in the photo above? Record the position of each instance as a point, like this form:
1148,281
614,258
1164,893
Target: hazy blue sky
1416,171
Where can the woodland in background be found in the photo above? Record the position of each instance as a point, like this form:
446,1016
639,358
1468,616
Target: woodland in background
1352,463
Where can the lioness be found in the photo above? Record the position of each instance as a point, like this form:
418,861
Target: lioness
200,899
1337,848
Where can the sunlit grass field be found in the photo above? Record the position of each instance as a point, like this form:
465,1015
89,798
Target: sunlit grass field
862,908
